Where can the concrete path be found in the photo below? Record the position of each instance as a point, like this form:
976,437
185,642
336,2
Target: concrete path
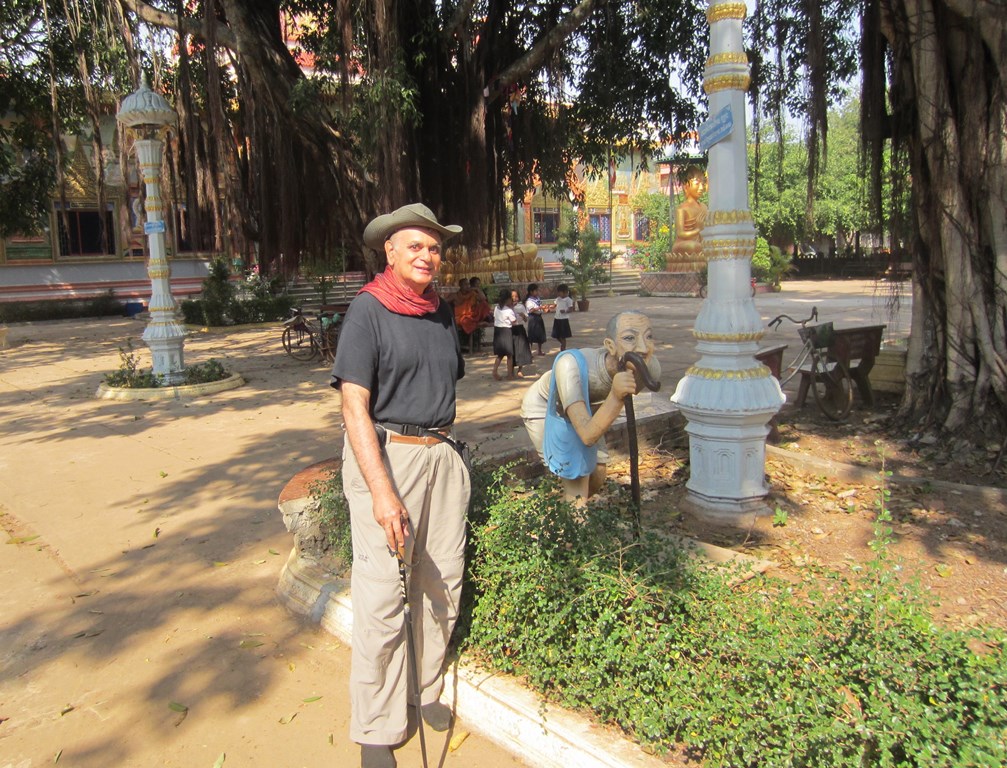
139,624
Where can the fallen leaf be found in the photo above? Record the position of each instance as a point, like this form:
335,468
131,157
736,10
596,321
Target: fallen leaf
249,643
57,757
157,532
943,570
21,539
287,718
456,740
258,562
311,699
220,761
219,564
182,713
66,710
273,552
163,473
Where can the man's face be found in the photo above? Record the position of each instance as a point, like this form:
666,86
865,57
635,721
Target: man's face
634,334
414,256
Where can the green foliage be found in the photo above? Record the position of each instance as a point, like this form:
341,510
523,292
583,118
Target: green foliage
760,260
262,299
324,271
334,517
204,373
129,374
833,670
218,293
61,309
652,256
588,266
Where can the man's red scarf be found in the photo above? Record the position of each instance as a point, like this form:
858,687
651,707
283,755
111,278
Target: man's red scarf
399,298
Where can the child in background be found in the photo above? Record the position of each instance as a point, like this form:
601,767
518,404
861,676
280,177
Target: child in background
522,349
561,325
503,337
536,323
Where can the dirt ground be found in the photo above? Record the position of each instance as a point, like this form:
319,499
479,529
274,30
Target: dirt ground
139,624
141,549
949,509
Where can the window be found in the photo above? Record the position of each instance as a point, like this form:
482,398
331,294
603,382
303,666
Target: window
81,233
546,226
641,226
602,224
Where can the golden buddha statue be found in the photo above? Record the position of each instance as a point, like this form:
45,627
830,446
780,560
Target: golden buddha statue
689,218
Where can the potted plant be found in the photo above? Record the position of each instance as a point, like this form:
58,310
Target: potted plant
587,267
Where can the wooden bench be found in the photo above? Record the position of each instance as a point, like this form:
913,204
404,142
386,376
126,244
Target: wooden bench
857,348
772,358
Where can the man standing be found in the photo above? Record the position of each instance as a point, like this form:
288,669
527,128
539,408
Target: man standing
397,365
606,387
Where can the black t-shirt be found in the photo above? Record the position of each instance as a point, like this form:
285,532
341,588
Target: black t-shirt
409,364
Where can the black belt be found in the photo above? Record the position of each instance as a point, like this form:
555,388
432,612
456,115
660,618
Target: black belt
387,428
412,430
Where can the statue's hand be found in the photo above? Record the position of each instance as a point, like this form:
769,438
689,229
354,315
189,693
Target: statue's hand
623,383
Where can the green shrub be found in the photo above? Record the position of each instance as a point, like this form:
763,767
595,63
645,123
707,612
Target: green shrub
129,374
834,670
204,373
760,260
218,293
334,517
60,309
192,311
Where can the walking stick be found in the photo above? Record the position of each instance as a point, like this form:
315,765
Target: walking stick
634,449
411,663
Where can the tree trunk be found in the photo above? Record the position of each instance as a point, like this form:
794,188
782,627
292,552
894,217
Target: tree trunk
956,367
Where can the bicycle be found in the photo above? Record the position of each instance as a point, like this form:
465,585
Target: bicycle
304,340
829,379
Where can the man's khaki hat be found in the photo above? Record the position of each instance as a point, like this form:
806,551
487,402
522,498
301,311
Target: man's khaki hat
412,215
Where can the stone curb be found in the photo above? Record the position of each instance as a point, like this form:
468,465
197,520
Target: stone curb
106,392
492,704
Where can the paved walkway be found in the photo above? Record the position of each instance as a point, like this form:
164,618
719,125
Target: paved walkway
144,544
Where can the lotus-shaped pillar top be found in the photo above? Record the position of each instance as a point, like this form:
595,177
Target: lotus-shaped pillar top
145,107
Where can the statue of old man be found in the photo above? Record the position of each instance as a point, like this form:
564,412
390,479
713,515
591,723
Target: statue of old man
569,408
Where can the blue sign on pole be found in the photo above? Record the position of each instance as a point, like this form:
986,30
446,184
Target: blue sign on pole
153,227
716,129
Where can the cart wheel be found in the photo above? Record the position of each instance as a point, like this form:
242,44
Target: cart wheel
832,387
299,343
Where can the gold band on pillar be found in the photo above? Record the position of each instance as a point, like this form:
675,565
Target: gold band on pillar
723,11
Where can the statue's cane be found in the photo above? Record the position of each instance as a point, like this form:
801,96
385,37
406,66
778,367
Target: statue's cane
411,663
639,365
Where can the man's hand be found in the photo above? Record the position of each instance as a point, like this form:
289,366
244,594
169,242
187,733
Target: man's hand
394,519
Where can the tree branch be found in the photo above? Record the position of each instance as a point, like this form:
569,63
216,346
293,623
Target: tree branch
460,15
193,27
541,50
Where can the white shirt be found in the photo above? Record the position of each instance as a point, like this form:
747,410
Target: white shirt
563,306
521,314
503,317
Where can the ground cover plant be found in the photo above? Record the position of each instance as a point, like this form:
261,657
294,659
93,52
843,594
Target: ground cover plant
129,374
831,669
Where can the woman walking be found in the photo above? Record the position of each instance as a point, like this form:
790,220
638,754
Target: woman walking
503,335
522,349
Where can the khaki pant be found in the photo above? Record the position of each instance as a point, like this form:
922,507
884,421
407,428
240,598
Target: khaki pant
433,483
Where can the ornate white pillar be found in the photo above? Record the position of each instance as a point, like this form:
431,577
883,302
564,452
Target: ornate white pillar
728,397
149,116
